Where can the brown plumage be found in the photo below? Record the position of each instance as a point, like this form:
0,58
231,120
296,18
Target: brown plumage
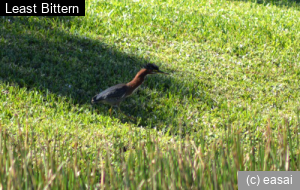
116,94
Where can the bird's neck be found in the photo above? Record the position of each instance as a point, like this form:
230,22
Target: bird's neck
138,79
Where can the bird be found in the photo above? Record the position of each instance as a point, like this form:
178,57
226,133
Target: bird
114,95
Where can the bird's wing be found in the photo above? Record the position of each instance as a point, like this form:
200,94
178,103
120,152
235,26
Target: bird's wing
115,92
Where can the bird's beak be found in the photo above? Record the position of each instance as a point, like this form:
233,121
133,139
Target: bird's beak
162,72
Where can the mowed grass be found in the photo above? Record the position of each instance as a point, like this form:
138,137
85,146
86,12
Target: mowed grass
230,103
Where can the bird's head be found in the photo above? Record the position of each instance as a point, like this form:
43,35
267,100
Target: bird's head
153,69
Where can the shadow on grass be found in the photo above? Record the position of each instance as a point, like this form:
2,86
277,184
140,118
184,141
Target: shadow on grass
279,3
37,54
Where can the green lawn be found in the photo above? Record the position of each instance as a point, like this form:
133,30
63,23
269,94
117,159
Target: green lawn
230,103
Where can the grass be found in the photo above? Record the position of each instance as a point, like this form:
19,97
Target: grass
27,163
231,102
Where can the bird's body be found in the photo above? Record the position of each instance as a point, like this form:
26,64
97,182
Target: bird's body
116,94
113,95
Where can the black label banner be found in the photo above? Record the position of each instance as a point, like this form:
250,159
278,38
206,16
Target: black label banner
42,8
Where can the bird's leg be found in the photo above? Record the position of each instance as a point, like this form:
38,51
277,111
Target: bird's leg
132,118
110,110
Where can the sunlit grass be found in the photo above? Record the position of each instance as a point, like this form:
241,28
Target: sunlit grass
27,162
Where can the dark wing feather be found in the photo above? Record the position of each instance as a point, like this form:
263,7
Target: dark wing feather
115,92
